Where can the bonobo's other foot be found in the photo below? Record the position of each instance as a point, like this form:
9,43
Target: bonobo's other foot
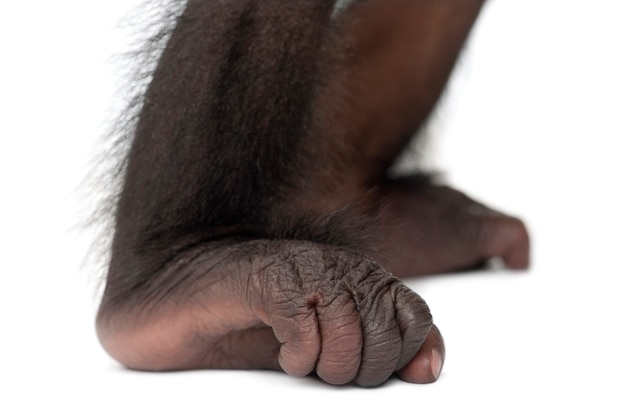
427,229
295,306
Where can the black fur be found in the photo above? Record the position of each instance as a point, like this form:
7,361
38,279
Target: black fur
219,138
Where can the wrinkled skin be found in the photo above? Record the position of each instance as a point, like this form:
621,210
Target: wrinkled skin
213,294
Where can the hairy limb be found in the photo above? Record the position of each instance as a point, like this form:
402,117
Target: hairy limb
238,142
390,62
297,306
393,60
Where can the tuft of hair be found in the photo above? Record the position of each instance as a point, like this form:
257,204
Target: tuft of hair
150,25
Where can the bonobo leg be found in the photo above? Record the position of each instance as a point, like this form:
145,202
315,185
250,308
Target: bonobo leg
394,59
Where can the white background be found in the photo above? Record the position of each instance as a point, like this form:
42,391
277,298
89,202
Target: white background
534,123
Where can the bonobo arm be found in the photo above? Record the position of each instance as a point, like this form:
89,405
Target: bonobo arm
216,261
296,306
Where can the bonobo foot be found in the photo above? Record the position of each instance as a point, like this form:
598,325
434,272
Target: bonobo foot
428,228
295,306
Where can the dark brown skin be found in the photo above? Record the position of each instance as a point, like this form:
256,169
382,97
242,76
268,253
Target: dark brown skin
257,227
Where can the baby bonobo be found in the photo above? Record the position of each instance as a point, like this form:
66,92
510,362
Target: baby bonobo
257,227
